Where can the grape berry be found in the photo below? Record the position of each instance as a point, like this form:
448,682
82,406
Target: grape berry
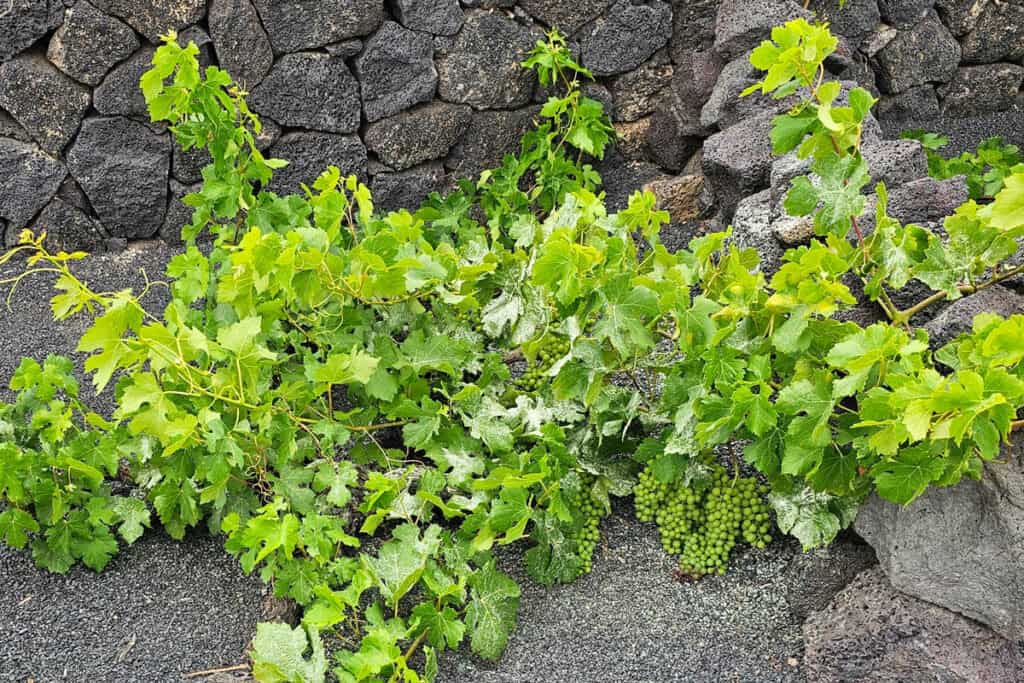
588,513
535,376
703,525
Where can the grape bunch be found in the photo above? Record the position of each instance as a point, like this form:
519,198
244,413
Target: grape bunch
471,319
703,525
588,513
535,376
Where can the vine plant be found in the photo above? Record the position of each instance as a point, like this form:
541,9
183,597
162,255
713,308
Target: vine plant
341,392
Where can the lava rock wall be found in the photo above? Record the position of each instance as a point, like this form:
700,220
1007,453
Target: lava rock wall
410,94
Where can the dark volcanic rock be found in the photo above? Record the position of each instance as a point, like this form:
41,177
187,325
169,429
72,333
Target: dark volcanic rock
960,15
636,94
407,189
904,13
871,632
916,103
123,168
738,160
89,43
395,71
29,178
855,20
345,49
482,68
817,575
567,17
675,133
309,154
895,162
67,228
26,21
154,18
693,25
242,44
978,89
752,228
48,104
9,128
622,178
119,93
958,317
743,24
439,17
420,134
928,52
726,106
998,35
625,36
187,167
961,546
310,90
304,24
488,138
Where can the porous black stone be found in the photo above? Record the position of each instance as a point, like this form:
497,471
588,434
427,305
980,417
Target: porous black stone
89,43
926,53
242,45
420,134
310,90
625,36
123,168
978,89
305,24
395,71
46,103
29,178
119,93
154,18
310,153
67,228
483,69
438,17
407,189
25,22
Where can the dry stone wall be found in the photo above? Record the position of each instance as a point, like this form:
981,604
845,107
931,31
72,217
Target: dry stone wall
410,94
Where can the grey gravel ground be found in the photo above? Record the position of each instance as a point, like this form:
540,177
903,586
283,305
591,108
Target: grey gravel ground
632,621
159,610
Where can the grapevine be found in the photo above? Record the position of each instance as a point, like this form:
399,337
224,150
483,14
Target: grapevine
339,391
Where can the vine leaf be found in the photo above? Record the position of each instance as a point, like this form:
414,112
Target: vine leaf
491,614
279,655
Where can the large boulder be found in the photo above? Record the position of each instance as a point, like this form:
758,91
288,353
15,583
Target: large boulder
958,317
178,214
925,53
625,36
89,43
47,103
872,632
305,24
310,90
395,71
738,160
154,18
420,134
67,228
998,34
242,45
567,17
979,89
26,21
438,17
309,154
119,93
961,547
483,66
743,24
123,167
29,178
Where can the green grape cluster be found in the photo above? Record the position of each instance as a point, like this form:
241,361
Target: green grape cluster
535,377
471,319
703,525
589,513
